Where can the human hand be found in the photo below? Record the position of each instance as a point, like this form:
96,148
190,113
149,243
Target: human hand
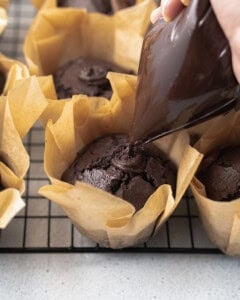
227,13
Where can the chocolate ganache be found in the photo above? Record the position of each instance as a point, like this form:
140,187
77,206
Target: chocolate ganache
185,74
132,173
85,76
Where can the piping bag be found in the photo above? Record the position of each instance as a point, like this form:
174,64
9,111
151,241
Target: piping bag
185,74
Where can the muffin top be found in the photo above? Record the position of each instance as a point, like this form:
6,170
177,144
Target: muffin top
220,174
2,81
132,173
85,76
101,6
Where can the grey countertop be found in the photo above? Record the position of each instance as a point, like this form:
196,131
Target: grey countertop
119,276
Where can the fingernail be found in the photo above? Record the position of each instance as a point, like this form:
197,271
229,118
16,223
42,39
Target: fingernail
156,15
164,6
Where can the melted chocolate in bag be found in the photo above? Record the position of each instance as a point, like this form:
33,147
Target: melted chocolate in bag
185,74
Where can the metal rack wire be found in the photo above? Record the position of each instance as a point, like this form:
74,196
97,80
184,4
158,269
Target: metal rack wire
42,226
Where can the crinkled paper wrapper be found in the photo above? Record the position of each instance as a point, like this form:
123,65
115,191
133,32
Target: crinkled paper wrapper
58,36
14,70
18,112
44,4
3,14
221,219
105,218
196,132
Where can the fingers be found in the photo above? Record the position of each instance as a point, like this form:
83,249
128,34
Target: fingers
156,15
227,13
169,9
235,46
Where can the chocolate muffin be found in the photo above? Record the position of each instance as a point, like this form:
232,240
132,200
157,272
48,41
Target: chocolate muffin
101,6
2,81
132,173
85,76
1,185
220,174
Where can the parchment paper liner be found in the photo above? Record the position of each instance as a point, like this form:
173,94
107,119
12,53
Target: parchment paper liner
221,219
60,35
4,3
3,14
18,112
13,70
44,4
105,218
196,132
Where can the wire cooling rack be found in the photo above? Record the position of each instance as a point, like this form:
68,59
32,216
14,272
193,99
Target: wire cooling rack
42,226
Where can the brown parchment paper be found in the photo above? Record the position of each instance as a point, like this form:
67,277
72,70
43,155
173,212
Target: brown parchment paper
4,3
61,35
196,132
105,218
220,218
13,70
44,4
18,112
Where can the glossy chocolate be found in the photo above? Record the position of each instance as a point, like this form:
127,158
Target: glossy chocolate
185,74
85,76
107,163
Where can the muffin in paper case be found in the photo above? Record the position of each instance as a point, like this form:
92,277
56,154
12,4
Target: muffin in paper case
45,4
18,112
221,219
103,217
12,70
58,36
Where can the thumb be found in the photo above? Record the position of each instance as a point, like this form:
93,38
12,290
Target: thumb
171,8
